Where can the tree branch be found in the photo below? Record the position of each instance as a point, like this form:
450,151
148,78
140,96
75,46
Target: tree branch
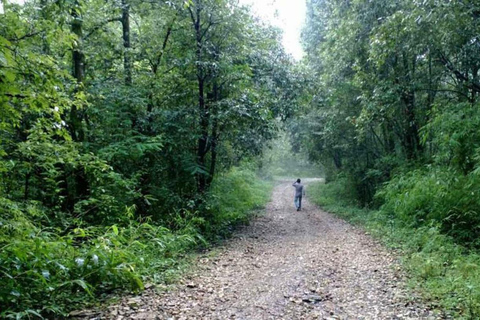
28,35
164,46
445,90
19,96
97,27
460,76
194,21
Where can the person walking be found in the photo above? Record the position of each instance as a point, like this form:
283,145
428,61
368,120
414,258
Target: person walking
299,192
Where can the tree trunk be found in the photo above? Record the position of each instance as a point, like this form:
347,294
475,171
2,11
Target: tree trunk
44,16
389,142
204,120
26,186
412,137
78,72
127,60
214,136
337,159
474,93
76,118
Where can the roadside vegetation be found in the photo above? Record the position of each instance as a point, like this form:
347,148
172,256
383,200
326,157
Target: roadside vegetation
47,271
445,273
393,118
130,135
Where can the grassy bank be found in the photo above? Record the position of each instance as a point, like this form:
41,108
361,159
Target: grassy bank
445,273
48,272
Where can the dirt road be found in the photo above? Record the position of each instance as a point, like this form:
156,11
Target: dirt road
286,265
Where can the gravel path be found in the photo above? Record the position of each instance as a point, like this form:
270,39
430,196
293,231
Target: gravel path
286,265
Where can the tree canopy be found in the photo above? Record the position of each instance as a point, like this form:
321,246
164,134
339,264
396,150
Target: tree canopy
122,113
394,98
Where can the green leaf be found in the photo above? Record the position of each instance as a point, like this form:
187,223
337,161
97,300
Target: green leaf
83,285
35,313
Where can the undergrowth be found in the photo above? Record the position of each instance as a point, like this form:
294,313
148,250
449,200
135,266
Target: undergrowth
444,272
47,272
234,198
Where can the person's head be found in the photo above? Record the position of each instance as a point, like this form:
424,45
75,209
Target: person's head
298,180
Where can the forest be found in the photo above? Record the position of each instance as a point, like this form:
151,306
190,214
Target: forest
125,128
135,132
395,109
394,117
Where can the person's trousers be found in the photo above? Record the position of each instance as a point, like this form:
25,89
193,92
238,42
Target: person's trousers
298,202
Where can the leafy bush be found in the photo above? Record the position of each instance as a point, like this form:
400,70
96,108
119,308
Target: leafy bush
455,137
106,159
436,195
337,192
45,273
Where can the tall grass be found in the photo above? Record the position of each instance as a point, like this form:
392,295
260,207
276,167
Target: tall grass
444,272
438,195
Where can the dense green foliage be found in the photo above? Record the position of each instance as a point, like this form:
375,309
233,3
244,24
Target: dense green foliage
445,273
234,195
130,132
394,118
395,107
123,125
45,272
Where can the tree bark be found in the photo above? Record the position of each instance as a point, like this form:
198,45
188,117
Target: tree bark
127,59
76,118
337,159
214,136
204,114
78,72
26,186
44,16
409,136
412,139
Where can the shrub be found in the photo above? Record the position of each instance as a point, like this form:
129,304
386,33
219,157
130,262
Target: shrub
50,271
436,195
340,191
